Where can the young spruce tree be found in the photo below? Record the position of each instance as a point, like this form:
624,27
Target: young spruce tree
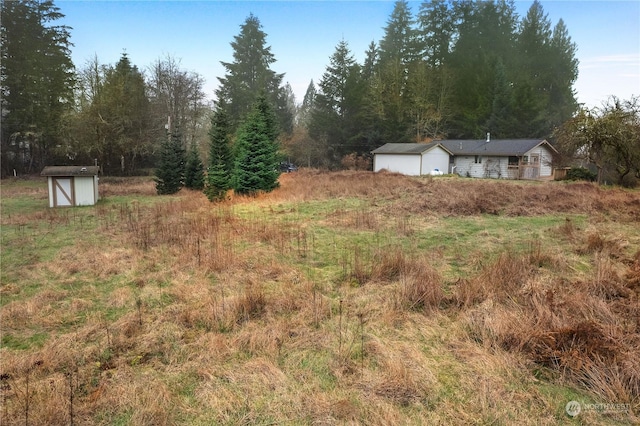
170,171
220,158
194,170
257,160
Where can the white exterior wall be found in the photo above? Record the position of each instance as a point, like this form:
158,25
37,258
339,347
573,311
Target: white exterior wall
546,169
435,158
407,164
466,166
497,167
489,167
85,191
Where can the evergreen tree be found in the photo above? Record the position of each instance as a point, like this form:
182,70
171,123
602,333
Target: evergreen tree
124,111
170,171
257,160
250,74
338,104
486,35
397,52
399,44
437,26
220,158
194,170
501,121
370,65
437,23
308,102
564,66
37,80
531,83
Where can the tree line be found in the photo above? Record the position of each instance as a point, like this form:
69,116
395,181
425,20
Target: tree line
451,69
455,69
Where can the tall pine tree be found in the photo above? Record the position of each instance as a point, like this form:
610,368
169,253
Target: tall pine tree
194,170
397,52
37,80
338,103
486,36
170,172
250,74
124,109
564,65
257,160
220,159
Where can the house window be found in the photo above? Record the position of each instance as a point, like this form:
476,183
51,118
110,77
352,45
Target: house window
513,160
478,159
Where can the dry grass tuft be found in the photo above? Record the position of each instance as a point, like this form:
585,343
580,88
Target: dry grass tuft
420,287
577,329
501,280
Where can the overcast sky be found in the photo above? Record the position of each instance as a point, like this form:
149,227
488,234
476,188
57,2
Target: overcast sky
304,34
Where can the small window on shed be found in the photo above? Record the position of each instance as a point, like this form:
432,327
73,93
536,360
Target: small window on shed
478,159
513,160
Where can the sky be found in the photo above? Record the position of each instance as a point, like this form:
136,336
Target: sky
304,34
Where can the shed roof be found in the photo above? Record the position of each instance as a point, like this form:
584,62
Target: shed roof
407,148
496,147
70,171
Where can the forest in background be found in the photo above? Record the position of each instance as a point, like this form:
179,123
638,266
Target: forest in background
451,69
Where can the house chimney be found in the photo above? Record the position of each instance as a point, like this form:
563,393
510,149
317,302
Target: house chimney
488,137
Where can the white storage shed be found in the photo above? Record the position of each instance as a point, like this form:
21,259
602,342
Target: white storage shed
72,185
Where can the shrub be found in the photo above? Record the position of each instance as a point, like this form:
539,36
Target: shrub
581,173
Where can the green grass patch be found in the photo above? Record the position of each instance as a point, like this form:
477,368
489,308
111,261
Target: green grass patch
23,343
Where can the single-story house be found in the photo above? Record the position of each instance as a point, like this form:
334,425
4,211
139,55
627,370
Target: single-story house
499,158
72,185
413,159
502,158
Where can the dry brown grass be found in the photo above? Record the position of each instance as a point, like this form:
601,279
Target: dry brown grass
462,197
270,310
578,329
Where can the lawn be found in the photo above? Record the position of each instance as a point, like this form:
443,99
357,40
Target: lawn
344,297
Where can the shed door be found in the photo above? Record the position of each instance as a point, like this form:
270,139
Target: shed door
63,192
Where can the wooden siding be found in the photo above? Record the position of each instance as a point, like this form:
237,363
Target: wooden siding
498,167
546,168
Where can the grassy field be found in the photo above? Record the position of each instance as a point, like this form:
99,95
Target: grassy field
340,298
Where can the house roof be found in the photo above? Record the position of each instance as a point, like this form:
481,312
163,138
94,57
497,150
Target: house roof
70,171
496,147
407,148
